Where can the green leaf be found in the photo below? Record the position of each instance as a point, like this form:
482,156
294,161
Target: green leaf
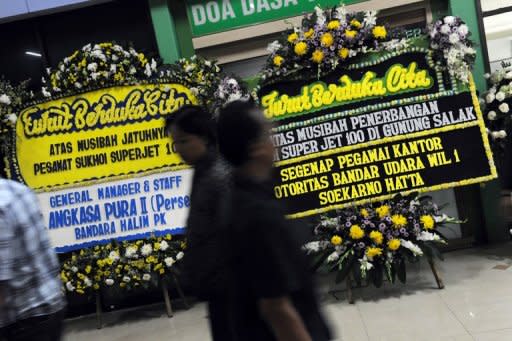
344,269
400,270
377,275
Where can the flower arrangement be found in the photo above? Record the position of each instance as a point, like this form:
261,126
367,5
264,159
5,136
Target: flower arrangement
326,39
497,102
375,240
98,65
12,99
453,49
127,265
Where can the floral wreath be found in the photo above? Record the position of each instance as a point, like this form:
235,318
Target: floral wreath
497,102
332,38
375,241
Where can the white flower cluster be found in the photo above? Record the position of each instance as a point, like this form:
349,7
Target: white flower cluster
415,249
497,100
450,35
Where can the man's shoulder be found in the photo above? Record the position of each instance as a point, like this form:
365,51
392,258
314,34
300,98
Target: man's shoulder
10,190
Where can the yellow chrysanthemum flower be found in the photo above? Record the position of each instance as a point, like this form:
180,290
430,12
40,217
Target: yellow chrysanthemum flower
399,221
379,32
301,48
292,38
350,34
383,211
394,244
88,269
336,240
309,33
168,236
327,39
96,287
333,24
355,23
428,222
156,246
278,60
372,252
80,291
161,271
377,237
343,53
356,232
364,213
63,276
318,56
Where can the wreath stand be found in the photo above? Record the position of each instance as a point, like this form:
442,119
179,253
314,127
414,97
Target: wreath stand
350,279
165,293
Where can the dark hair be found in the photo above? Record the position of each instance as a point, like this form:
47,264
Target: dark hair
193,119
237,128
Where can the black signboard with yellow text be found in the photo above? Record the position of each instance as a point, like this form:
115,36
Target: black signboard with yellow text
390,124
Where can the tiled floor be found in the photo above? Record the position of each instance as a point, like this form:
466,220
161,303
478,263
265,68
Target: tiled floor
475,305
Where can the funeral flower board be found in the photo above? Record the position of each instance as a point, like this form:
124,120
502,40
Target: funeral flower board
384,123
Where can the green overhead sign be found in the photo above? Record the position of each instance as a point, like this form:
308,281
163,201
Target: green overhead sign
207,17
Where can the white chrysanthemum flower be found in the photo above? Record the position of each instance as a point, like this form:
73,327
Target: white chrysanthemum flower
62,67
194,91
487,75
333,257
115,58
146,277
87,282
109,281
113,68
74,269
491,115
500,96
415,249
273,47
78,85
429,237
114,255
12,118
207,63
234,97
445,29
495,135
370,18
45,92
146,249
126,279
180,255
365,264
70,286
57,89
133,70
463,30
320,16
504,108
490,97
153,64
449,20
131,252
508,75
454,38
190,67
502,134
86,48
164,245
169,261
95,75
312,247
148,71
4,99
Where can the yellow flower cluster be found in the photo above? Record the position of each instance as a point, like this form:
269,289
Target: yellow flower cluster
356,232
372,252
383,211
394,244
399,221
377,237
428,222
